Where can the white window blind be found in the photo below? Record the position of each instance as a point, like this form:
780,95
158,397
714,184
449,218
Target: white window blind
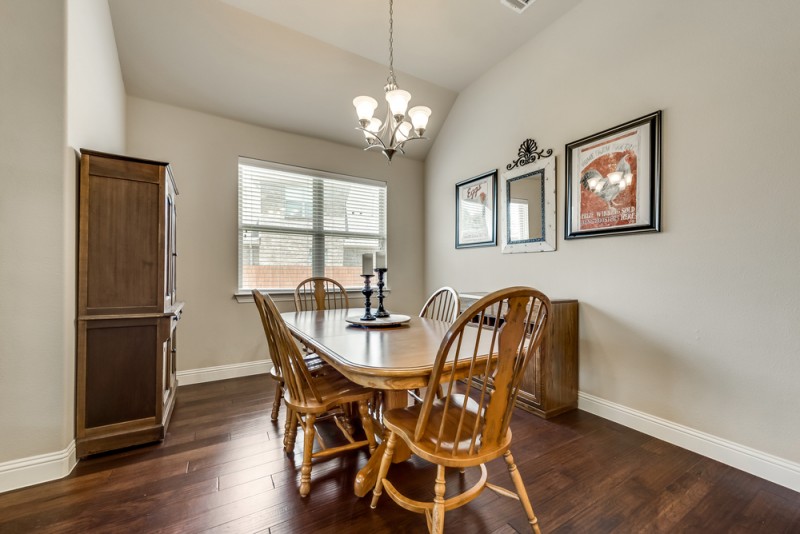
295,223
518,220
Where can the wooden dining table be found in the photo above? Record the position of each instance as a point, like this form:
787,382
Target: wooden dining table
392,359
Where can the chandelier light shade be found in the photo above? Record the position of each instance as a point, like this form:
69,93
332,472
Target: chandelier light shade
401,124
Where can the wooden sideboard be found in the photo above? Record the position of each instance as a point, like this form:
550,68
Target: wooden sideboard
127,309
550,383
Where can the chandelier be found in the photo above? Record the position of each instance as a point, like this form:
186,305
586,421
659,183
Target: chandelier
395,131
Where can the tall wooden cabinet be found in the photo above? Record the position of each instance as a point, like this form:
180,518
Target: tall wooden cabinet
550,383
127,312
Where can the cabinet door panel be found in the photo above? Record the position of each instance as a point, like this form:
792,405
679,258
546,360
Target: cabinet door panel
120,373
123,246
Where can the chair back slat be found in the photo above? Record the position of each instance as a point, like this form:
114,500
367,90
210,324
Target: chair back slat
443,305
283,350
508,325
320,293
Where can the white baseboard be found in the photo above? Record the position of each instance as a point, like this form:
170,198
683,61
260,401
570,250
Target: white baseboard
755,462
223,372
37,469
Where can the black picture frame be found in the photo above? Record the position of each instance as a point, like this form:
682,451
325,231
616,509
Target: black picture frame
476,211
613,180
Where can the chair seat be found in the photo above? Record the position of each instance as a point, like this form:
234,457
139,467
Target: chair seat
333,389
403,422
313,362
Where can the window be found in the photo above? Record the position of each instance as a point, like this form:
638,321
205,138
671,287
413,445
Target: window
295,223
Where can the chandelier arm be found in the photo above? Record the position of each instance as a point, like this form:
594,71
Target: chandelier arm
373,136
399,146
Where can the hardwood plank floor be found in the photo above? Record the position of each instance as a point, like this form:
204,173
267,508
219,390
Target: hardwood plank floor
222,469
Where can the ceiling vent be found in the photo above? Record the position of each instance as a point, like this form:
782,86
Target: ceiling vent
517,6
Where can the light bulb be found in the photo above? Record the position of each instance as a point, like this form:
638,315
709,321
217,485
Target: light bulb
403,130
371,130
374,125
365,107
419,118
398,102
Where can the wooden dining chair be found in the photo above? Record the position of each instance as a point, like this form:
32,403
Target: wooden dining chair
443,305
313,362
470,427
320,293
309,396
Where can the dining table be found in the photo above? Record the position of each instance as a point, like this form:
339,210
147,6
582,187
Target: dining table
392,359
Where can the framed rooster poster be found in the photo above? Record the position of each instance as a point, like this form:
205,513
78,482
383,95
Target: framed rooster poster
614,180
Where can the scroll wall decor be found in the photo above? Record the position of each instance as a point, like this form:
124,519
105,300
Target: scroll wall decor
529,152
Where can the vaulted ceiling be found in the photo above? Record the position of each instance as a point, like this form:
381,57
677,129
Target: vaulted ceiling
296,65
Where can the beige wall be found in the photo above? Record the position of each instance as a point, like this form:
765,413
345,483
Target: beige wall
32,129
95,92
44,51
204,151
698,324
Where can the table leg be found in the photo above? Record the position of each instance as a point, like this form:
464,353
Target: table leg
367,477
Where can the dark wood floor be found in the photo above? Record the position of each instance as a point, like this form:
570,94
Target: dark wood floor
222,469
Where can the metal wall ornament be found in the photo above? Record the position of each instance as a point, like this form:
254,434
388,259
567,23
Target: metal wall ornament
529,152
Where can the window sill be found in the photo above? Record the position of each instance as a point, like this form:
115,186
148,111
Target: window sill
288,296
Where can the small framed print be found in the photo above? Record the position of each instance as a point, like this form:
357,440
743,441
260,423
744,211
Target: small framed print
476,211
614,180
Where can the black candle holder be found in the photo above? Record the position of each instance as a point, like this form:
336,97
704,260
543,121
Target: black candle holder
381,310
367,292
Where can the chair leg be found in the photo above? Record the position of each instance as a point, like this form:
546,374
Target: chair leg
516,478
276,404
437,521
290,431
366,422
384,468
308,449
346,418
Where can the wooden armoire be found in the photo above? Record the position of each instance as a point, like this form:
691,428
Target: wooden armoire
127,308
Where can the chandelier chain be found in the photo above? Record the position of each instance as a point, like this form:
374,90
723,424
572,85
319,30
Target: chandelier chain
391,79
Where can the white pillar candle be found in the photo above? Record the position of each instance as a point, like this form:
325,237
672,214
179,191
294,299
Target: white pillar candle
380,260
366,263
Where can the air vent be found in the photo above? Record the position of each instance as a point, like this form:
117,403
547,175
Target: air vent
517,6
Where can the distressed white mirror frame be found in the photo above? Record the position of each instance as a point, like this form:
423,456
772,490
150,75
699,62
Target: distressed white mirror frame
546,167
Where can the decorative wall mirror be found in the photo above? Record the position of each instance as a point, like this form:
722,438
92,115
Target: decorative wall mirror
529,207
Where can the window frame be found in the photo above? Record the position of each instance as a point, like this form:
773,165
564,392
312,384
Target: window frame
317,231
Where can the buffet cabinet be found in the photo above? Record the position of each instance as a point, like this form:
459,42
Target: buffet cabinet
127,310
550,382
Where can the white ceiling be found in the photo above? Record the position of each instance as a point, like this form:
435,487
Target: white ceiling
296,65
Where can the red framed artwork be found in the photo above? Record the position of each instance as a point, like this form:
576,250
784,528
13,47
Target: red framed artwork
613,180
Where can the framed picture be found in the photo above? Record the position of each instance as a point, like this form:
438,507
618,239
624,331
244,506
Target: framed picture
614,180
476,211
